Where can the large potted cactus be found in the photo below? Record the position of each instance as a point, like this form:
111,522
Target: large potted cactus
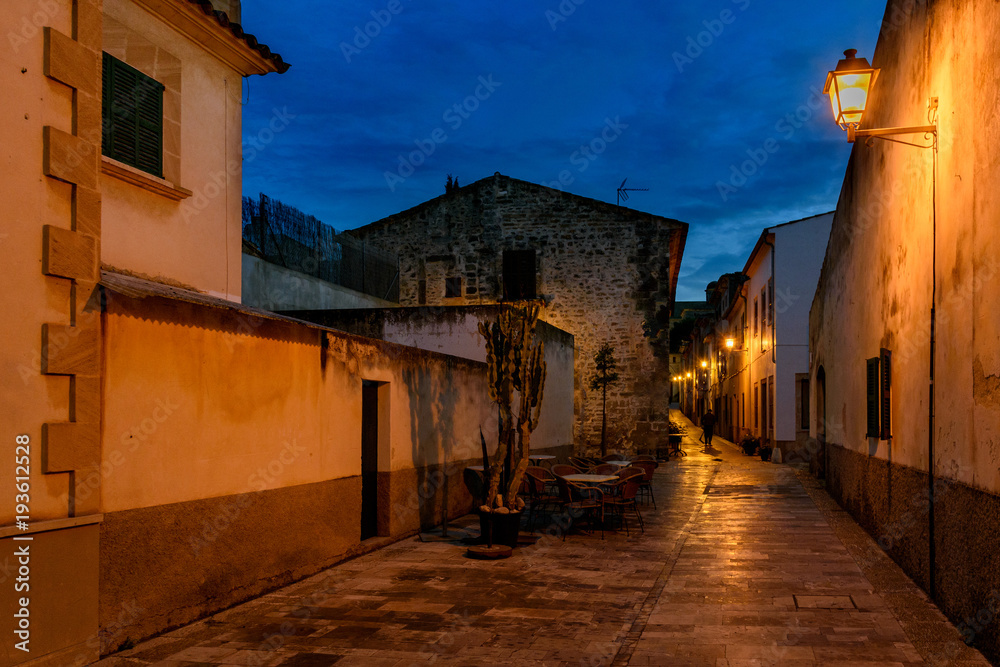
516,363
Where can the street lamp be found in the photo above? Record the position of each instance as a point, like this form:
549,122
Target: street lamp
730,343
848,86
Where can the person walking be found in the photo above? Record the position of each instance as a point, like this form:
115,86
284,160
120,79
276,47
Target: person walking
708,427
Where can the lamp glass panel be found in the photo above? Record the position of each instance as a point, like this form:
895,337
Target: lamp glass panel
851,96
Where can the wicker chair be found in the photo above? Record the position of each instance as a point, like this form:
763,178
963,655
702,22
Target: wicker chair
561,469
578,499
621,496
605,469
630,471
581,464
537,480
646,485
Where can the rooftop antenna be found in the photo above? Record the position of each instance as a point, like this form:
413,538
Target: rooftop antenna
623,192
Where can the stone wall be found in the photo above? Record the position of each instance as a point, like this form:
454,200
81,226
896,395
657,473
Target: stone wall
601,270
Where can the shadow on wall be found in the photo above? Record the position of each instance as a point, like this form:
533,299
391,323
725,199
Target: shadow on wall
436,458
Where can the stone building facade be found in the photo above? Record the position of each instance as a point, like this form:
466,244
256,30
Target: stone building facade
601,271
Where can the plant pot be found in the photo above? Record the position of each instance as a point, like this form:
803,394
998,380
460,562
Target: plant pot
504,527
765,453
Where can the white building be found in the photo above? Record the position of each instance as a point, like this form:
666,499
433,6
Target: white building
765,382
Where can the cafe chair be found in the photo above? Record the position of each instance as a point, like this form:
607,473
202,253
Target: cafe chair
581,464
646,485
582,500
561,469
605,469
537,480
621,496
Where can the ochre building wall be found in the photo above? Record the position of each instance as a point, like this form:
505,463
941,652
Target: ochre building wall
876,291
232,455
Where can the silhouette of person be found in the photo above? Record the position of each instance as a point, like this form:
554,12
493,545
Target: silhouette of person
708,425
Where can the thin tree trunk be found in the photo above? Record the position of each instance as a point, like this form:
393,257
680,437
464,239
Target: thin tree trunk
604,420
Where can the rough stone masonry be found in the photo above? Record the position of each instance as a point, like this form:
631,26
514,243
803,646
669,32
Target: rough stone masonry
601,270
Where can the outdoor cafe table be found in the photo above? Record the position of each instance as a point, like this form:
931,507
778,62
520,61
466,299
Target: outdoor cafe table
620,463
583,478
541,457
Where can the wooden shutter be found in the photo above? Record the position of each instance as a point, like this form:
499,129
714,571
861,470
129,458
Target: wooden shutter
872,398
518,275
132,116
885,395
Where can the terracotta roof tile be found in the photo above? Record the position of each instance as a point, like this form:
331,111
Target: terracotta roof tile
223,20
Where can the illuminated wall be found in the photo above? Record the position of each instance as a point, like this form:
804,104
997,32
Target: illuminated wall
906,228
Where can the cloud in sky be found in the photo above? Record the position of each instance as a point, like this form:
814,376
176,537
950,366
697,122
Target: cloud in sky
713,107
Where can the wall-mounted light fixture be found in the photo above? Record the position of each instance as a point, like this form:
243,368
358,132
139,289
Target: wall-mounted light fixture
730,343
704,364
849,86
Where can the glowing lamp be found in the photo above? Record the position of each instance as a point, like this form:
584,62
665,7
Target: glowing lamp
704,364
848,86
730,343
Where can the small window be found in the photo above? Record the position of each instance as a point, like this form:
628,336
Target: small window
770,301
763,309
755,317
453,287
518,275
132,117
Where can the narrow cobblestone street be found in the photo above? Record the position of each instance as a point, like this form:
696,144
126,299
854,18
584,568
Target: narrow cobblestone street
742,563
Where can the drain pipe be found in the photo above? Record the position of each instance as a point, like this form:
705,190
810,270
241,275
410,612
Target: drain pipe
770,296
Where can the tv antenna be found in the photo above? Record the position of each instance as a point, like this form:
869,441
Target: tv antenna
623,192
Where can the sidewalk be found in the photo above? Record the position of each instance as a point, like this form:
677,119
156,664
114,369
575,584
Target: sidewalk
743,563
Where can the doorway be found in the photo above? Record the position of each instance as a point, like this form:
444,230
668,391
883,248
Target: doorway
369,459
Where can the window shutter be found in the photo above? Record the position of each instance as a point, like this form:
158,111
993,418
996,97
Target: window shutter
149,125
872,398
518,274
133,117
885,422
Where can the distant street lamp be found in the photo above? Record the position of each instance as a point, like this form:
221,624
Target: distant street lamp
849,86
730,343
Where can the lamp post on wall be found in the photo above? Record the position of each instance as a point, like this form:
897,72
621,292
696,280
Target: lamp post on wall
848,86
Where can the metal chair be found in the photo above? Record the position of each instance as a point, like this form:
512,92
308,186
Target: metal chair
646,485
579,500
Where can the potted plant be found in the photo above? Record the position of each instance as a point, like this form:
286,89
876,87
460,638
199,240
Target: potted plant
750,443
765,450
516,373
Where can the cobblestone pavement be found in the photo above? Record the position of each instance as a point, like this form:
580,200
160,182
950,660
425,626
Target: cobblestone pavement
742,563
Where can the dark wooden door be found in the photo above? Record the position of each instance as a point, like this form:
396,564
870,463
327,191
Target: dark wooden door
369,459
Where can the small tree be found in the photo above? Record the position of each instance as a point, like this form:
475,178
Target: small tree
607,374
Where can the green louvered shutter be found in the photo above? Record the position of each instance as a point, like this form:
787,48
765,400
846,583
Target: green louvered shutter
872,398
133,117
885,395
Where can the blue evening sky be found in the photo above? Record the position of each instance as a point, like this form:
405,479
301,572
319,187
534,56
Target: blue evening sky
714,106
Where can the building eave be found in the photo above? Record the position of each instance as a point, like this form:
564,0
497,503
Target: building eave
202,24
